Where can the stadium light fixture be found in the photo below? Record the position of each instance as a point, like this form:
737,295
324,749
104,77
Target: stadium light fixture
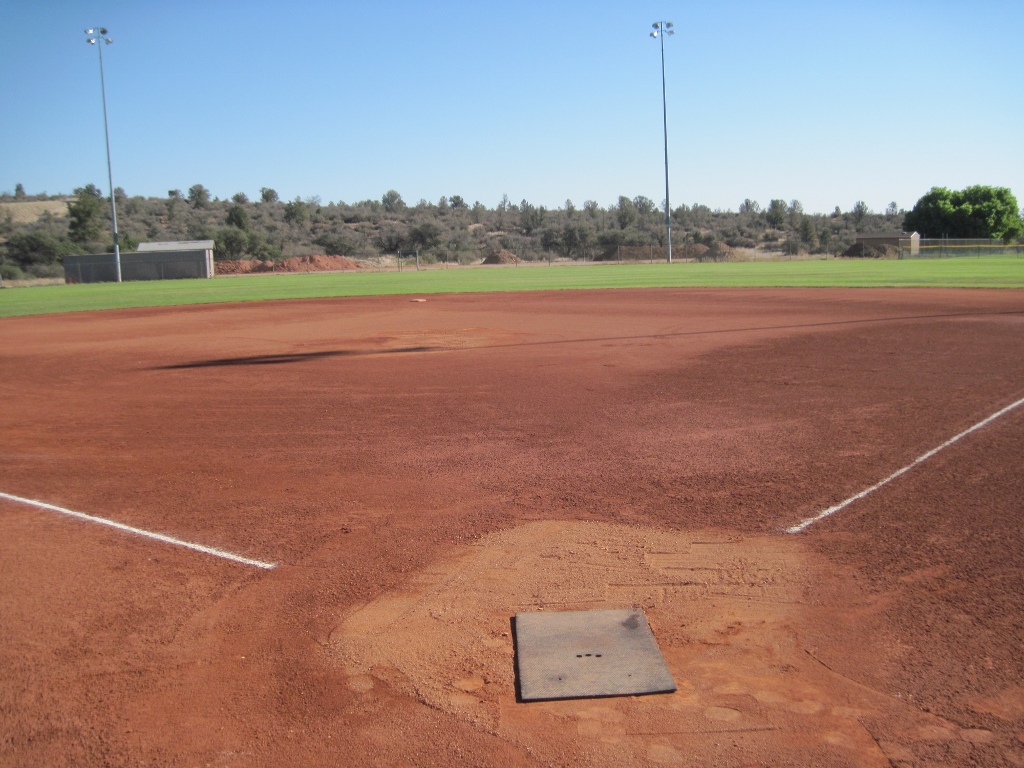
99,40
663,29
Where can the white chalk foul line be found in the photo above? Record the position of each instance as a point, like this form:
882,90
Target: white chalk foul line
141,532
832,510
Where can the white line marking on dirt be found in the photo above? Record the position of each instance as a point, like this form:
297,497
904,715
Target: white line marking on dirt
141,532
832,510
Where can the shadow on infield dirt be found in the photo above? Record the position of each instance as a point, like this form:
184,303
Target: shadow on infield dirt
297,357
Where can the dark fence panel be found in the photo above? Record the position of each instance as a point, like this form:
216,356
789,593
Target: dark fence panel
149,265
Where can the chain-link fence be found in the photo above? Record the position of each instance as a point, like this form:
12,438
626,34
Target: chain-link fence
944,248
150,265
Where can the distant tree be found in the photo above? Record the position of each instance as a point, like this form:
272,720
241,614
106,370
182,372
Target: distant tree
174,194
531,218
268,195
456,201
199,229
442,203
776,213
125,242
260,247
836,213
592,208
644,206
85,215
808,233
750,206
199,196
392,201
859,211
41,246
976,211
795,213
577,238
478,211
237,217
390,238
313,200
172,204
230,243
570,209
501,210
19,191
240,198
625,212
551,239
120,194
296,212
892,209
825,238
425,235
334,244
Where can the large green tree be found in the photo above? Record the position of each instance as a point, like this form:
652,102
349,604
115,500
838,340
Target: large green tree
85,214
199,196
38,247
296,212
237,217
531,218
976,211
392,201
776,213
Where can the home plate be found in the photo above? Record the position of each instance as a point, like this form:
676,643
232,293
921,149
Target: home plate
583,654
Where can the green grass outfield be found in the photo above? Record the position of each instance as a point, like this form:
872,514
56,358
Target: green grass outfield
994,272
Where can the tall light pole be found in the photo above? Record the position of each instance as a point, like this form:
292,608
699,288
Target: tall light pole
97,37
663,29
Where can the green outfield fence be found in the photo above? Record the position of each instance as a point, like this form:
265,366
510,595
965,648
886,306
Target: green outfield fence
943,248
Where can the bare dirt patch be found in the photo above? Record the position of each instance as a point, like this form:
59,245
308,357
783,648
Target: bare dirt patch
501,256
728,612
30,211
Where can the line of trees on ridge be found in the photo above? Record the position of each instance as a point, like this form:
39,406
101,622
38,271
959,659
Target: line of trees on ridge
452,229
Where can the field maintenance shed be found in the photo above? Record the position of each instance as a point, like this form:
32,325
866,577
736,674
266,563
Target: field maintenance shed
153,261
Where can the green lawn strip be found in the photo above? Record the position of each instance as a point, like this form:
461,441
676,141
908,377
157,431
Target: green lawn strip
994,272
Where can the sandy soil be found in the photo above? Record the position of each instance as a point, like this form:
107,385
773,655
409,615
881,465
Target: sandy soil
27,212
421,471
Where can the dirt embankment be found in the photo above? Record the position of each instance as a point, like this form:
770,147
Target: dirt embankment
501,257
296,264
865,251
31,210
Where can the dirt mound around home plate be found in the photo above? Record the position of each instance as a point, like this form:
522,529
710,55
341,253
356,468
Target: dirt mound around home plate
295,264
502,257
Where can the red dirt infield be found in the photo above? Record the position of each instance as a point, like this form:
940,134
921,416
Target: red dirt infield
420,472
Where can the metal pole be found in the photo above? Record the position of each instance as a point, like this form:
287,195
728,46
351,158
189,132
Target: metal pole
110,173
664,116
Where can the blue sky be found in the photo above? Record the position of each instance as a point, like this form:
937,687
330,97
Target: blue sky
828,103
